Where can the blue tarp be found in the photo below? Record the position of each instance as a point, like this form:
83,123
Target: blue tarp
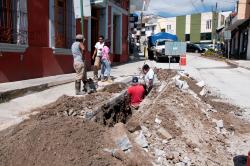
162,35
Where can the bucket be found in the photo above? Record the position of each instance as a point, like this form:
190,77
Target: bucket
183,60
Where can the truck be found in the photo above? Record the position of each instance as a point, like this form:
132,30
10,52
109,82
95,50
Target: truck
165,45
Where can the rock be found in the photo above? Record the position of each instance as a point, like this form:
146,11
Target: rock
119,154
146,131
186,160
120,137
201,84
197,150
141,140
164,133
238,113
158,121
219,124
180,164
169,156
160,160
212,110
88,115
203,92
133,126
70,112
159,153
165,141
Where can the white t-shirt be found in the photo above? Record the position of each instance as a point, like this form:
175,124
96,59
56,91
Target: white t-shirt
149,76
99,48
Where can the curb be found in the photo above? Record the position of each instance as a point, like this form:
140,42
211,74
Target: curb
236,64
232,63
11,94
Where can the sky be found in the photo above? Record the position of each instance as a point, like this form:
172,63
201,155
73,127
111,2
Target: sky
168,8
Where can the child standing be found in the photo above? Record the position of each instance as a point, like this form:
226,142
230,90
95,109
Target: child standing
106,63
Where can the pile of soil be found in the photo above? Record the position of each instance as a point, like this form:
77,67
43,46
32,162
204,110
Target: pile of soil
58,134
165,74
55,141
115,88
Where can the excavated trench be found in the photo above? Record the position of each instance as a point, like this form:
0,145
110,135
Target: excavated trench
116,110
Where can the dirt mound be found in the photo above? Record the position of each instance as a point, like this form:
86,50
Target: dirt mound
72,106
115,88
165,74
59,135
55,141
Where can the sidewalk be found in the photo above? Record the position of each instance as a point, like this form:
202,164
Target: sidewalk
11,90
240,63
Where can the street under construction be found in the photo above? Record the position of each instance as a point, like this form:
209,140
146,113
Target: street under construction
180,122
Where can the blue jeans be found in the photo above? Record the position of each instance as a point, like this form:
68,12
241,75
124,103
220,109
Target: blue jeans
105,68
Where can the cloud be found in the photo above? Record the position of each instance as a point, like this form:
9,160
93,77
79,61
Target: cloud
169,8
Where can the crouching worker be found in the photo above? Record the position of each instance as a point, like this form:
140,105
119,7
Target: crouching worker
136,93
148,78
78,51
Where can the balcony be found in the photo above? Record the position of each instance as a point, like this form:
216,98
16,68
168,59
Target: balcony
98,3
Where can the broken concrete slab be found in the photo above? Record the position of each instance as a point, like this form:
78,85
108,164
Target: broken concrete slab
181,84
141,139
201,84
164,133
120,137
203,92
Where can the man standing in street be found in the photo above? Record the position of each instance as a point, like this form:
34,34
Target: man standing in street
78,51
136,93
97,56
149,77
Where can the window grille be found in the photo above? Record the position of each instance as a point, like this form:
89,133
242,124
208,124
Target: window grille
13,22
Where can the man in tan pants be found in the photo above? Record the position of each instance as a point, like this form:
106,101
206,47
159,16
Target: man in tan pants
78,51
97,56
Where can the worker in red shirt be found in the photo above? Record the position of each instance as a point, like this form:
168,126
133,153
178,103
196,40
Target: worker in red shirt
136,93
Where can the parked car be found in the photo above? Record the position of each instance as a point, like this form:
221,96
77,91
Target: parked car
194,48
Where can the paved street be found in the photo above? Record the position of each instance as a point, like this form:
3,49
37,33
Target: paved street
228,82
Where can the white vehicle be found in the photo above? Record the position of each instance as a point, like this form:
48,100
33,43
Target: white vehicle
169,49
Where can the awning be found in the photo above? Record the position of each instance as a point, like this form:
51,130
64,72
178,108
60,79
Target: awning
235,24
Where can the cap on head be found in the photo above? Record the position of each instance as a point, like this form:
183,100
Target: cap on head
135,80
145,67
79,37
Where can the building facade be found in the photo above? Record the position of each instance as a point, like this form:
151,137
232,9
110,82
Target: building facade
195,28
36,36
238,23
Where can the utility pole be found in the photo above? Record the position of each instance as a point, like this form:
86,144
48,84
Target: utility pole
82,18
213,22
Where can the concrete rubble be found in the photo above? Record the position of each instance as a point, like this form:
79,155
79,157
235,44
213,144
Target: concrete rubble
164,133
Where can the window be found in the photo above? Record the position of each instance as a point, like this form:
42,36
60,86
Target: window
62,26
60,23
209,24
206,36
168,27
13,22
163,30
187,37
